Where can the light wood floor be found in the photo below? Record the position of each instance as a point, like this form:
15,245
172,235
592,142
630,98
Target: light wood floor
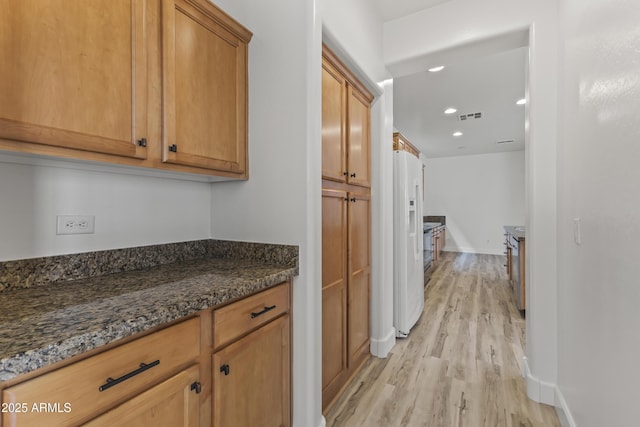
460,365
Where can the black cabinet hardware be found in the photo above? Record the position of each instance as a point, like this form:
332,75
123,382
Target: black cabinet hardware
345,173
173,148
353,175
197,387
353,199
110,382
225,368
142,142
260,313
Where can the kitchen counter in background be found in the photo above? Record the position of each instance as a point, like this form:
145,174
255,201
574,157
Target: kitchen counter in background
516,231
442,219
57,307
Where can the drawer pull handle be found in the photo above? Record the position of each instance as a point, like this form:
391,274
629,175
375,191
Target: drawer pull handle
260,313
110,382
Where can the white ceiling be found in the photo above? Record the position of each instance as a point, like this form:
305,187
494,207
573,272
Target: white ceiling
393,9
486,76
488,84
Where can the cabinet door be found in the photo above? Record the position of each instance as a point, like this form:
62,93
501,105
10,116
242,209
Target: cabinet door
359,277
74,74
334,140
358,140
251,379
204,87
172,403
334,293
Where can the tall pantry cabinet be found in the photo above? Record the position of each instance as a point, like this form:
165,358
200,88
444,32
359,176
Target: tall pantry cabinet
346,226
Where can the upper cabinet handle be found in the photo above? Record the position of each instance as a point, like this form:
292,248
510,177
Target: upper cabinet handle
260,313
353,175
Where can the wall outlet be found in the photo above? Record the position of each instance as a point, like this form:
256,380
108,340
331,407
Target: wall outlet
75,224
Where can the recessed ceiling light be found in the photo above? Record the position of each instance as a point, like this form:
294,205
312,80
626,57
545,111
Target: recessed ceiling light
457,133
521,101
450,110
436,69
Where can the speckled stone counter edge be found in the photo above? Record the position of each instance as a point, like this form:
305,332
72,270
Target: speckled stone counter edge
26,273
168,302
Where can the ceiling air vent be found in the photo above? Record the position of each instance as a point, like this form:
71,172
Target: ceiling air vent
469,116
505,141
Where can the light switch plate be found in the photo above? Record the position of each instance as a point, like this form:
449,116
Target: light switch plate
577,231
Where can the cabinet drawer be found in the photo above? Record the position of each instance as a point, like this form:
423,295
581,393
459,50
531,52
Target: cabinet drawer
124,371
237,319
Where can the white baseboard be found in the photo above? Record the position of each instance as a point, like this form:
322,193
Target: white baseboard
381,347
472,250
538,390
564,414
323,422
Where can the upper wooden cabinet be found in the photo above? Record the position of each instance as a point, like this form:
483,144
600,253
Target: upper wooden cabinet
346,151
334,118
152,83
205,87
74,74
403,144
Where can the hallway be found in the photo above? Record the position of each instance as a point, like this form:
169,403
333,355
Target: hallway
460,365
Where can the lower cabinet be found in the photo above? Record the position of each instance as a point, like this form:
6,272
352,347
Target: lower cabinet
171,403
518,272
251,364
78,392
439,240
515,252
227,367
251,379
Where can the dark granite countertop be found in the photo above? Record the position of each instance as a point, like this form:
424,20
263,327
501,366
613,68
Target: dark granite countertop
41,325
516,231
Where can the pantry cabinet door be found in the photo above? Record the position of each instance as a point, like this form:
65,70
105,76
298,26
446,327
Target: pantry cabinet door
334,116
74,75
359,277
334,293
359,142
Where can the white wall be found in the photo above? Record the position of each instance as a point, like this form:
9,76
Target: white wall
130,210
408,41
598,291
479,195
281,202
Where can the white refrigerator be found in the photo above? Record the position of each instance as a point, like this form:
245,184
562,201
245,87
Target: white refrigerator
408,257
